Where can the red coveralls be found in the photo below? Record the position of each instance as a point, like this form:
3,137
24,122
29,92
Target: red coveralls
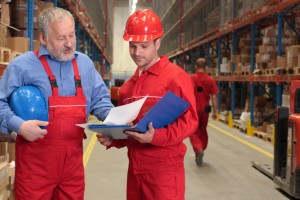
205,86
52,168
156,170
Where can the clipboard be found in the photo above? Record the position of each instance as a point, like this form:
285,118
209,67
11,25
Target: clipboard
113,131
164,112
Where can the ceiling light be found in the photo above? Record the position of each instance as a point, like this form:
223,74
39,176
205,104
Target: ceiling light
132,5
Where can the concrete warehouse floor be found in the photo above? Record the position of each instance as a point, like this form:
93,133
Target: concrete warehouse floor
227,173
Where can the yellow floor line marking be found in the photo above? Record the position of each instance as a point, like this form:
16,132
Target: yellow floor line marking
93,140
242,141
89,149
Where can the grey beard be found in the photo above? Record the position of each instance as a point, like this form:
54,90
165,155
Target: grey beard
60,59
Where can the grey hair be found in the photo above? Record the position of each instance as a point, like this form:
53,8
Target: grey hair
51,15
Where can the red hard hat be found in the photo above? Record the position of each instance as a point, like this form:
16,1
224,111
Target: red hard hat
143,26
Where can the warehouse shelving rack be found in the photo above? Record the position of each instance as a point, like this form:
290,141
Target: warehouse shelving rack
226,37
89,40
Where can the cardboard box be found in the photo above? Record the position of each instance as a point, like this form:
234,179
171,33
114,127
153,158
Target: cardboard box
258,58
245,58
298,65
3,149
11,149
269,40
20,20
5,16
3,42
267,48
292,61
273,63
43,5
20,44
3,31
3,194
293,50
23,33
281,62
36,44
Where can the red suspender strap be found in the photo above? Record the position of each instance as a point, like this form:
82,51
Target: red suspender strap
49,73
52,79
77,78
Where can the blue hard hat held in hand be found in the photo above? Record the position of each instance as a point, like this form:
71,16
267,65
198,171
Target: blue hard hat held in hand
29,103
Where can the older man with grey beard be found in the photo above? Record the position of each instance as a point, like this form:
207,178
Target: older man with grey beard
49,160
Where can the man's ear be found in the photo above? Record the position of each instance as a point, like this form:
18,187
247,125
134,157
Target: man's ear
42,38
157,43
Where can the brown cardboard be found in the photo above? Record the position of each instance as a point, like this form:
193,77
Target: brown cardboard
281,62
5,16
3,148
11,149
20,44
298,61
270,40
43,5
20,20
23,33
292,61
273,63
267,48
36,44
293,50
3,31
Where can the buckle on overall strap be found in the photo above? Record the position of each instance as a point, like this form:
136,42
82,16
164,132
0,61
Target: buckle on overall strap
53,83
77,82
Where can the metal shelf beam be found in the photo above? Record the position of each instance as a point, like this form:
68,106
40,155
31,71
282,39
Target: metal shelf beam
30,14
269,10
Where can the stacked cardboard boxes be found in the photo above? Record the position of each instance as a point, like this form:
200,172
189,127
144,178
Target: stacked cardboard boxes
4,167
242,59
267,60
19,18
13,29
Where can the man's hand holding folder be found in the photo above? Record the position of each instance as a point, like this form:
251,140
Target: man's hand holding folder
164,112
142,138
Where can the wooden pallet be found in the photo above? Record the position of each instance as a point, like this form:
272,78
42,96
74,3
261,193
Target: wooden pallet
245,73
262,135
225,73
297,70
5,55
237,73
258,72
270,71
4,158
243,130
288,71
240,125
237,126
282,71
223,121
259,134
14,54
268,138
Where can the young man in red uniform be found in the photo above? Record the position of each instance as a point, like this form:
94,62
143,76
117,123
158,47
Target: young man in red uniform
156,168
205,88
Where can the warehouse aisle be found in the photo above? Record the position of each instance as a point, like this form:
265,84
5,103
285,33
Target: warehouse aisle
226,174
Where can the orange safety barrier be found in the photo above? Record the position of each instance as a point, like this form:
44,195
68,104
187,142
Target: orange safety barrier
114,95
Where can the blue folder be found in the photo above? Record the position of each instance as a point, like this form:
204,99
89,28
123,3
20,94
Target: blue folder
112,131
164,112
